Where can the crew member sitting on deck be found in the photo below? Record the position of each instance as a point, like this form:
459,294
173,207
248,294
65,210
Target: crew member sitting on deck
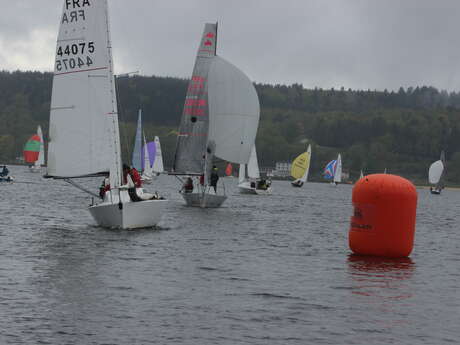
4,171
188,185
134,176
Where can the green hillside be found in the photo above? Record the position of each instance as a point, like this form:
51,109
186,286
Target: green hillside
401,131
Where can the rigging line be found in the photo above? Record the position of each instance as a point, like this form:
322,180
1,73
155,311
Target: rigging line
78,186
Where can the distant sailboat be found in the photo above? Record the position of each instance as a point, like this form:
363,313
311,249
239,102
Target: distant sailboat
436,174
333,170
220,118
34,151
300,168
84,138
361,175
253,184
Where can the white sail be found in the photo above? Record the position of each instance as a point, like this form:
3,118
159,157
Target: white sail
242,173
435,172
84,135
233,111
361,175
338,170
136,158
147,164
158,162
253,165
41,156
305,175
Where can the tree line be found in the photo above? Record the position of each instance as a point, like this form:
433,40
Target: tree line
401,131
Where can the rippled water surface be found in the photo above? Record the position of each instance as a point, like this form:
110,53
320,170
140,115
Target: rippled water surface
261,270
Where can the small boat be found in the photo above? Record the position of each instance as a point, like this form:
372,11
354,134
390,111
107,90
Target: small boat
220,119
34,151
84,139
436,174
361,174
333,171
4,175
253,184
300,168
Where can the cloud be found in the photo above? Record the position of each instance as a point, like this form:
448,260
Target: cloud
357,43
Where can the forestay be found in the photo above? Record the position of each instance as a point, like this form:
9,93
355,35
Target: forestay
84,137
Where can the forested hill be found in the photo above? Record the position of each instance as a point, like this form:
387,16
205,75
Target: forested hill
401,131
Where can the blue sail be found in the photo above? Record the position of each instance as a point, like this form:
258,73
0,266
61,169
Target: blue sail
329,171
136,159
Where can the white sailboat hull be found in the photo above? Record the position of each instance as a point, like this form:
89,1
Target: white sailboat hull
297,183
35,169
203,200
129,215
245,188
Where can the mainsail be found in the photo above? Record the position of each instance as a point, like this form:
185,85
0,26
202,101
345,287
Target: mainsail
338,170
41,155
193,130
136,158
84,135
221,112
158,160
253,165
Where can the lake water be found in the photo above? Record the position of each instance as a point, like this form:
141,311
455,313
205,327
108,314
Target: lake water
261,270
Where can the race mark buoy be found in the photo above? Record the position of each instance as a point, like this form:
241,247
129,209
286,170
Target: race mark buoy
383,221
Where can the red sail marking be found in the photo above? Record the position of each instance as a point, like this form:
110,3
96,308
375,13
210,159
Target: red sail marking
208,43
210,35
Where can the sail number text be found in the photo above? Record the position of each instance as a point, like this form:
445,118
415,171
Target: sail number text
67,58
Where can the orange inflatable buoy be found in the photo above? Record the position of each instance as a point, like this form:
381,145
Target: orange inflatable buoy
383,221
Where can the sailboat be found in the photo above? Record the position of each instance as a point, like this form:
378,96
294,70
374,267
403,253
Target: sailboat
333,170
220,119
300,168
34,151
253,184
84,139
361,174
436,174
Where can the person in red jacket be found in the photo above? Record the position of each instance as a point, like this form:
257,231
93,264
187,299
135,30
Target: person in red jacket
134,174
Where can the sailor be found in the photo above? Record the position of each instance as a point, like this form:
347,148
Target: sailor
104,188
4,172
188,185
134,174
214,178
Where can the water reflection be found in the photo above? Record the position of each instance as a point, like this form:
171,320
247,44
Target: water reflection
382,278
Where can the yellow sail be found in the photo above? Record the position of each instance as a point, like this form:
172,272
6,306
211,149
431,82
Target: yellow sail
300,165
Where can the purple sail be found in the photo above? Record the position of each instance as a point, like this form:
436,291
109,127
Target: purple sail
151,149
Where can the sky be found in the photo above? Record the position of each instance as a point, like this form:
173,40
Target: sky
358,44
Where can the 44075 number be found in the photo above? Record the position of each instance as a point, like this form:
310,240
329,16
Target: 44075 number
72,63
76,49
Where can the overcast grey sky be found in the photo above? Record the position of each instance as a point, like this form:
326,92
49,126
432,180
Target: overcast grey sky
359,44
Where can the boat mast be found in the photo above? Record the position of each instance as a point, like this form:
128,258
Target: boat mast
115,169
